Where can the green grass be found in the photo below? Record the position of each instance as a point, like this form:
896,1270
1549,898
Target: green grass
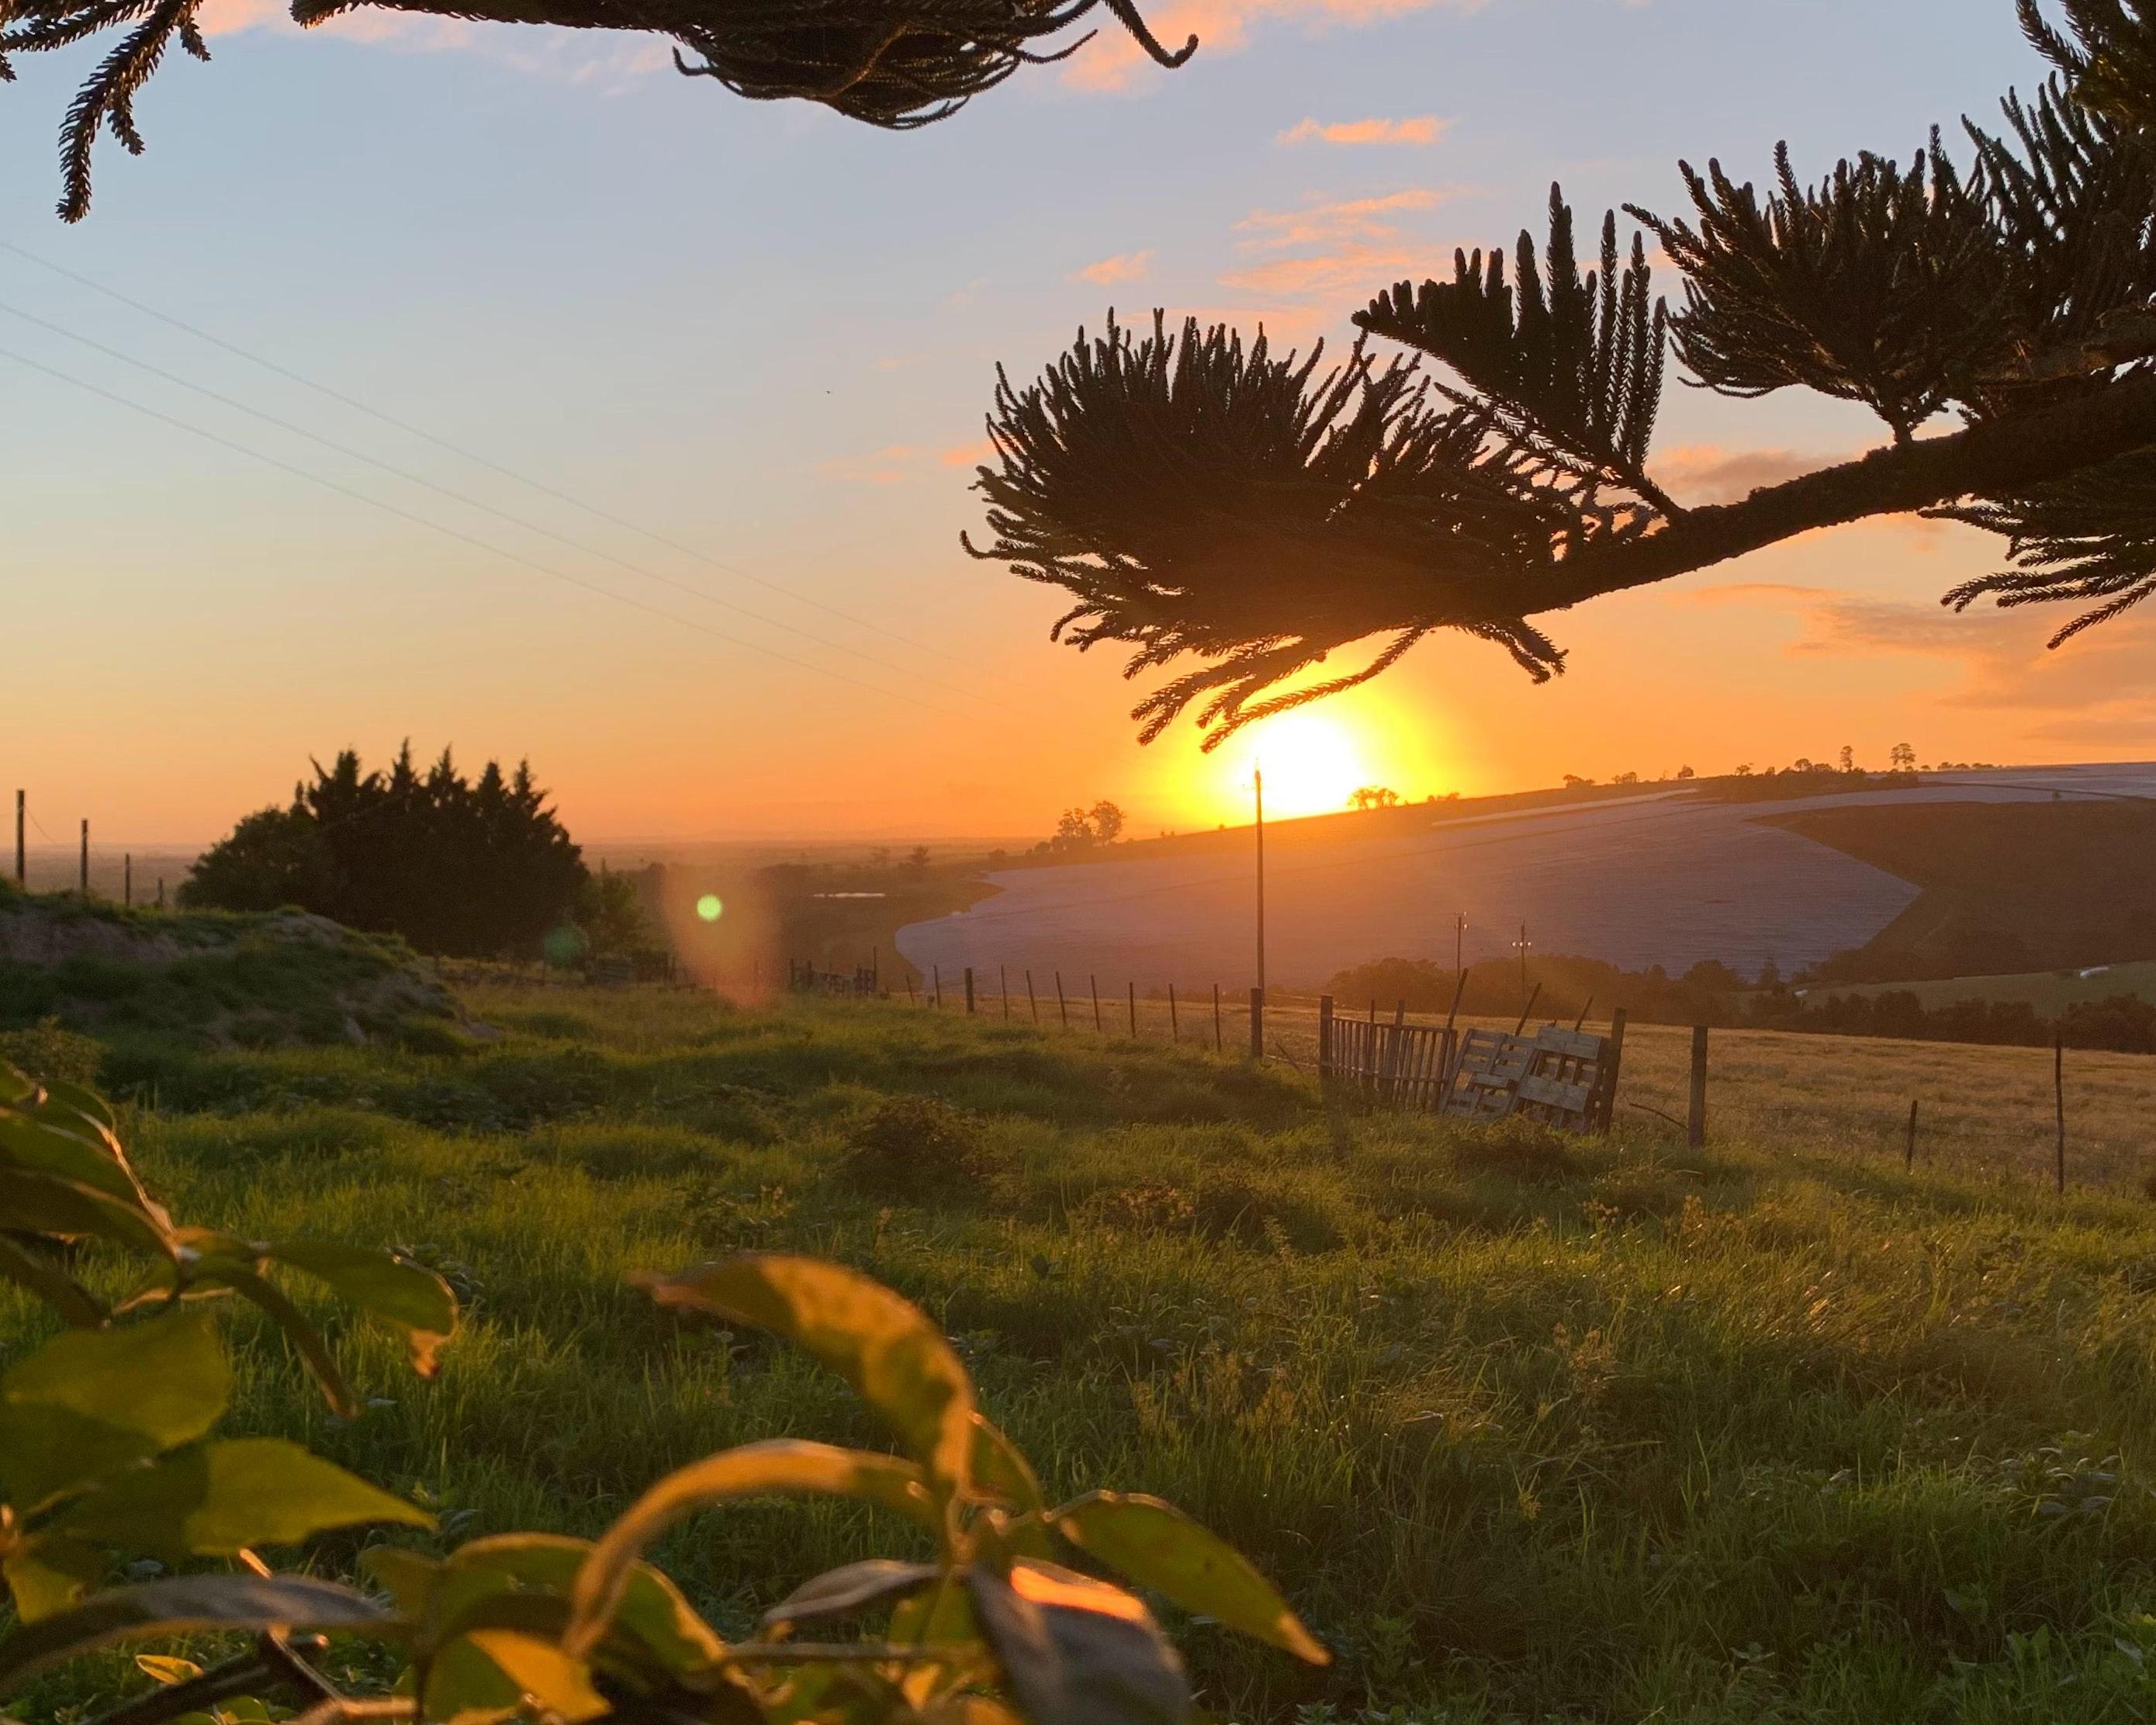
1527,1428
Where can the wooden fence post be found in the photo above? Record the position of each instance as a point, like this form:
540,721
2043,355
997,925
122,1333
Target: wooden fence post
1696,1114
1133,989
912,999
1062,1006
1615,1052
1030,998
1324,1039
1093,982
2059,1095
1003,988
85,858
1174,1024
969,991
1219,1047
1257,1023
127,879
938,970
1388,1082
1909,1153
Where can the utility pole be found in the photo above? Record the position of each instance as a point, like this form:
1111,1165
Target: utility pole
127,881
1523,943
1258,784
85,857
1460,942
22,873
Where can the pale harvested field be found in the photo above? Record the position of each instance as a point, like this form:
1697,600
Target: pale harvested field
1983,1111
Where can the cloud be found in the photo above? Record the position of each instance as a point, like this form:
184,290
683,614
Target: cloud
1697,475
971,455
614,61
1314,262
1124,266
1321,222
1112,59
1423,129
887,466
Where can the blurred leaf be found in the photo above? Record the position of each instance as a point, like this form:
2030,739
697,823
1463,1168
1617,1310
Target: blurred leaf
91,1402
182,1604
52,1204
1157,1545
1077,1651
411,1298
407,1576
852,1588
49,1572
1000,1468
652,1613
465,1687
223,1260
780,1466
216,1498
74,1099
17,1087
166,1669
542,1670
74,1149
882,1344
76,1304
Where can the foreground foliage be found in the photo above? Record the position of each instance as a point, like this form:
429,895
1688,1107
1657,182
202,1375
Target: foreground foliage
103,1444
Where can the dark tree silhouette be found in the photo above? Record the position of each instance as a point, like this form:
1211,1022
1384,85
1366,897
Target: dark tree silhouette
899,63
1207,503
469,868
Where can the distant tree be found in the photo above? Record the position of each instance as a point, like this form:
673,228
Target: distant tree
609,916
1744,769
1573,782
1625,778
1901,758
1374,796
1081,829
1686,772
1107,821
917,858
472,868
1848,757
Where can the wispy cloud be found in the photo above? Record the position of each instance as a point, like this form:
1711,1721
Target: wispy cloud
1124,266
610,60
890,465
1223,27
1698,474
1423,129
971,455
1318,259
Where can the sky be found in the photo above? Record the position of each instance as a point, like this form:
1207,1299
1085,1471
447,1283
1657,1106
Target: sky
691,388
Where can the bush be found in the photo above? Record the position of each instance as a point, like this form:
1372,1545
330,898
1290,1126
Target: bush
50,1054
915,1149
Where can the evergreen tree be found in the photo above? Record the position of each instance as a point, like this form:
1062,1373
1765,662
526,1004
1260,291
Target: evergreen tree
469,868
1207,503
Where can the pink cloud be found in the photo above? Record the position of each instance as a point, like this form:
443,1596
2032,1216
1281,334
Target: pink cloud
1697,475
1112,60
1424,129
1330,224
971,455
1124,266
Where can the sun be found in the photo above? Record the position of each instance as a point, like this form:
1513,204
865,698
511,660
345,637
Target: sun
1312,763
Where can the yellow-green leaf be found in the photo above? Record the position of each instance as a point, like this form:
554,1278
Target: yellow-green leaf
538,1669
782,1466
652,1613
182,1604
407,1296
52,1204
407,1576
91,1402
163,1668
49,1572
218,1498
1157,1545
882,1344
1001,1470
852,1588
24,1266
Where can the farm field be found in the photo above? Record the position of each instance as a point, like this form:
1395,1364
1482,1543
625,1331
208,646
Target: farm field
1667,876
2049,992
1528,1428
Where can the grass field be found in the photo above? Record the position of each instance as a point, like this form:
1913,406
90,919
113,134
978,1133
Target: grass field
1528,1428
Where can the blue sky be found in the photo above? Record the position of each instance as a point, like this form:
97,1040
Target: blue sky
768,333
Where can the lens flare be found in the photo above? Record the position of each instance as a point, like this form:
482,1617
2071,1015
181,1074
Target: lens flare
709,907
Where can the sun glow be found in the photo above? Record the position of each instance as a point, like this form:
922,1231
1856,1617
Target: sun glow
1313,763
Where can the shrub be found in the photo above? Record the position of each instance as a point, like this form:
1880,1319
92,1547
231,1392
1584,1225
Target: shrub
914,1149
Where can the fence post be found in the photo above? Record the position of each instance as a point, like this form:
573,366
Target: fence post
2059,1095
161,892
938,971
1909,1154
127,880
1133,989
911,999
1324,1039
1174,1024
1062,1006
1219,1047
1696,1114
1614,1051
1003,988
85,858
22,872
1093,983
1388,1082
969,991
1257,1023
1030,999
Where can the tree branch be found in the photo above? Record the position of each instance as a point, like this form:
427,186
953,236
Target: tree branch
1998,458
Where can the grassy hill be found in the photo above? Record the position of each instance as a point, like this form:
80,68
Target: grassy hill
1528,1428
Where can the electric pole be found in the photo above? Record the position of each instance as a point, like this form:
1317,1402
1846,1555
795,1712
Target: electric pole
1258,784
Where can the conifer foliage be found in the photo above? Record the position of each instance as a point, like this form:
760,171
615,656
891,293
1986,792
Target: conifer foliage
1203,499
469,868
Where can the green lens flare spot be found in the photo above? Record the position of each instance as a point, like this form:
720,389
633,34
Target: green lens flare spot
709,908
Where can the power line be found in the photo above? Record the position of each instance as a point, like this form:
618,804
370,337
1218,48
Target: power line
406,515
435,487
473,456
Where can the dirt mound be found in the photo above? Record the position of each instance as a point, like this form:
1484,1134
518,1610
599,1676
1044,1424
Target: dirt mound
256,981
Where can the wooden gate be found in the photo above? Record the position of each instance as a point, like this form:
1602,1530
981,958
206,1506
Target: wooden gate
1566,1078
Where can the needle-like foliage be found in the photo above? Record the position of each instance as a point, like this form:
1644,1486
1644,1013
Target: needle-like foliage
896,63
2108,49
2089,539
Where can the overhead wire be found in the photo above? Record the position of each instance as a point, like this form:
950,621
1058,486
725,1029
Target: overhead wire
545,489
458,534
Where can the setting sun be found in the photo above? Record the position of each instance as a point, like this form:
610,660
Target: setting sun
1313,763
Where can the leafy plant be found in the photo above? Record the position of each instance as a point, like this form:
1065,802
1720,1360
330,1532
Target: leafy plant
995,1624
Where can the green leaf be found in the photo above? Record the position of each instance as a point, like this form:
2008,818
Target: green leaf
781,1466
883,1345
219,1498
49,1572
407,1576
465,1687
182,1604
73,1098
653,1613
221,1265
91,1402
1001,1470
406,1296
543,1673
17,1087
74,1149
52,1204
852,1588
1157,1545
1077,1651
76,1305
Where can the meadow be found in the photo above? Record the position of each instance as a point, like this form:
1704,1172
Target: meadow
1527,1427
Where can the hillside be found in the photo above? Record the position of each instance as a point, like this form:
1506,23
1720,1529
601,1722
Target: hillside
1528,1428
